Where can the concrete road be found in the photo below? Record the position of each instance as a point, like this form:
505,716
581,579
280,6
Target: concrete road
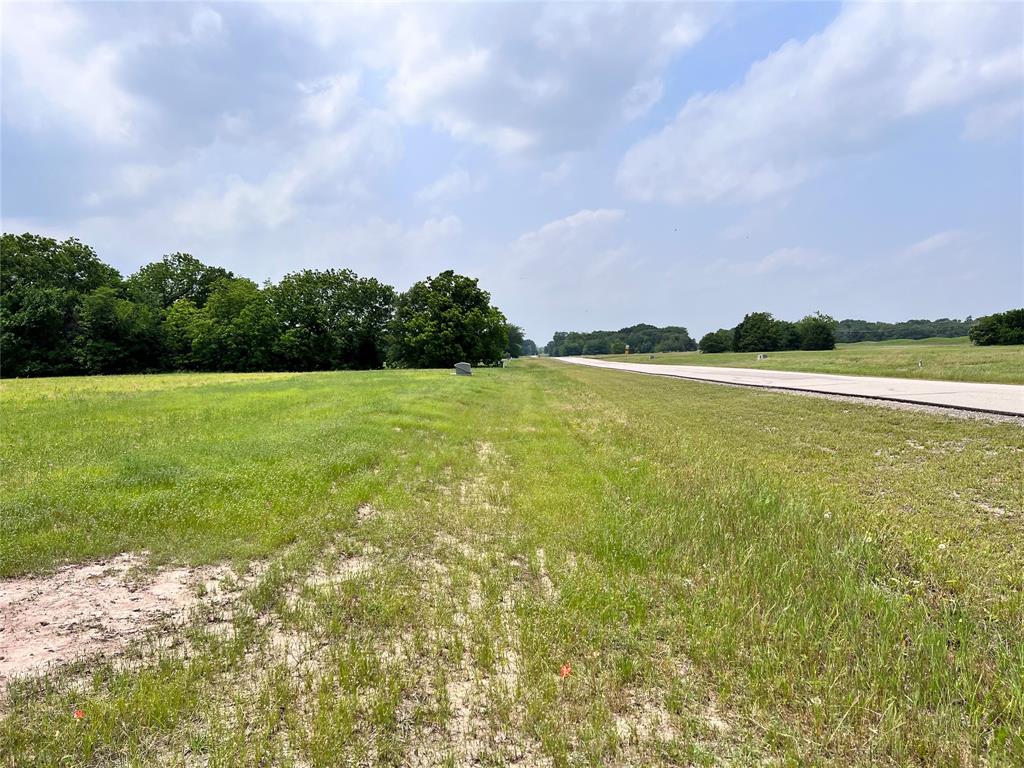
994,398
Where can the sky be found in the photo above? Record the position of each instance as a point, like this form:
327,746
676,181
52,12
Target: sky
594,165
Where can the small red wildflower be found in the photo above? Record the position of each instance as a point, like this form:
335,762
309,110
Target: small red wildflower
79,714
565,671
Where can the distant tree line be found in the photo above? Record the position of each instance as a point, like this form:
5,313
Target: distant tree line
65,312
639,338
1000,328
760,332
863,330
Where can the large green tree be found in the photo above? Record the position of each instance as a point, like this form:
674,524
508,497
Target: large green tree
758,332
176,276
236,330
1001,328
42,282
817,331
444,320
716,341
116,335
183,323
332,319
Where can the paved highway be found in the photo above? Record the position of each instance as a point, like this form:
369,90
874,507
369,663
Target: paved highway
994,398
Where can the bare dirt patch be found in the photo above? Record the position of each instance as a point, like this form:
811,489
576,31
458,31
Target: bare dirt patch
97,608
645,719
365,512
546,585
343,570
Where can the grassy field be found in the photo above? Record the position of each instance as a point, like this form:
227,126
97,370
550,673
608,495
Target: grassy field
947,359
734,577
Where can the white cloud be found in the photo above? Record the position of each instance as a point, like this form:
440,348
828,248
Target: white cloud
387,249
130,181
507,76
838,92
332,170
641,97
577,255
571,273
205,24
451,186
434,231
580,224
58,72
937,242
327,101
783,259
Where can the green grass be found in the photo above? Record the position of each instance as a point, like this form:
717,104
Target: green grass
941,341
736,577
945,359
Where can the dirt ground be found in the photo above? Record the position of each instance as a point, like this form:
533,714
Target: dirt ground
97,608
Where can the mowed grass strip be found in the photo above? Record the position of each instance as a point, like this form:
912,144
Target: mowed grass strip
942,359
734,577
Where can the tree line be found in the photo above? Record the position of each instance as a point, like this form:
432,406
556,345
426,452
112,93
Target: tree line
760,332
64,312
639,338
863,330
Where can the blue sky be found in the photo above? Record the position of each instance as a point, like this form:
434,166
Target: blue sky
595,165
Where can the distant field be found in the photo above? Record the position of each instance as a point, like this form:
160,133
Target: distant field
940,340
946,359
538,565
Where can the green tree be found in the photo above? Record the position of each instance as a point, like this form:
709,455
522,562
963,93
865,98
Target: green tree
817,331
115,335
529,347
787,335
572,344
716,341
444,320
554,347
237,329
1000,328
862,330
42,282
332,319
175,277
640,338
515,341
758,332
183,321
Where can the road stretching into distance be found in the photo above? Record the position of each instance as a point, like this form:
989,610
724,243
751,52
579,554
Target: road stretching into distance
1007,399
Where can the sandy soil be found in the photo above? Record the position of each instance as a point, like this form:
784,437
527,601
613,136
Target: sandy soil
98,607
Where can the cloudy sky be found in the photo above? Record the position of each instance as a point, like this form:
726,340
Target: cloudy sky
594,165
